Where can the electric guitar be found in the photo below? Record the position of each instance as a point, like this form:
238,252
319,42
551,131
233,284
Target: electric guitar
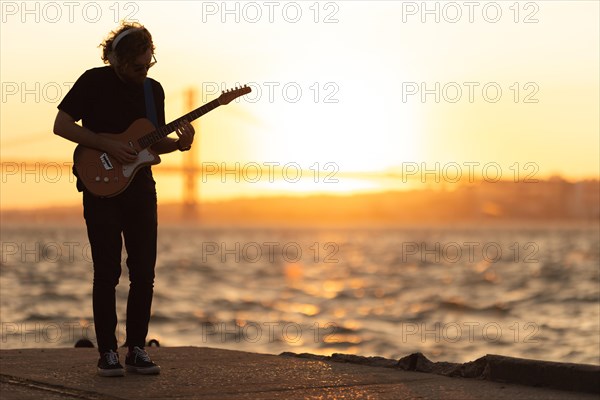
104,176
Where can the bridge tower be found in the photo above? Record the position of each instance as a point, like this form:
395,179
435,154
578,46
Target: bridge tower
190,166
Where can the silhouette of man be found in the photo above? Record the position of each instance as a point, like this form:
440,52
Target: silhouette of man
107,100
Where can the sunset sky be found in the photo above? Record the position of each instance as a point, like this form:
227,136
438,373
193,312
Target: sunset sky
334,83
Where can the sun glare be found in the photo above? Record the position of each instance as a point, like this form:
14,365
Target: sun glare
348,133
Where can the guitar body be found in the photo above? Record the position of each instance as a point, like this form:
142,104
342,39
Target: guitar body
102,174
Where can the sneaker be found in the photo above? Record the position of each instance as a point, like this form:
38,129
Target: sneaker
109,365
138,360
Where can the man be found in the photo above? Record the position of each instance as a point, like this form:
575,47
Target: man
107,100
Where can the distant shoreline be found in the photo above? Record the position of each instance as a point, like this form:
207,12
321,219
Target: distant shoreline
76,220
503,204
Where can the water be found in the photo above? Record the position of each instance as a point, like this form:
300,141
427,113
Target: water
454,294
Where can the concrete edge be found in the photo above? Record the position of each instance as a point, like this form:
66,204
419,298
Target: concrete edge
537,373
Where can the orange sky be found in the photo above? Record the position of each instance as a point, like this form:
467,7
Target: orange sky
340,84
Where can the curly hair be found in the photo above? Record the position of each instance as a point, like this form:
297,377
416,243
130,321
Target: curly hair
129,47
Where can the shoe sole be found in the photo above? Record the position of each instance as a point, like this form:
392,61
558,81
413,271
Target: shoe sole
111,372
143,371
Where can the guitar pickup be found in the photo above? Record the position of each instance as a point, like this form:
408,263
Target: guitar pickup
106,161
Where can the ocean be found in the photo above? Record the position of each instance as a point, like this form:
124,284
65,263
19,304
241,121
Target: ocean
452,293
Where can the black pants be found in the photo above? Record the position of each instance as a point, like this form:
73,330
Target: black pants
130,216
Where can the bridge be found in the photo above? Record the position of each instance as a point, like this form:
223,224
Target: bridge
194,171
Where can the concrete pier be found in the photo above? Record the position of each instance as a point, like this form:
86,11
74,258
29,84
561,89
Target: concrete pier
210,373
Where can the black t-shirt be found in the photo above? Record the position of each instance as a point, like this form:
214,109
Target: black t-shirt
106,104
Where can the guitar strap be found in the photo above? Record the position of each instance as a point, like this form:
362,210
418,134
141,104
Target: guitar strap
150,107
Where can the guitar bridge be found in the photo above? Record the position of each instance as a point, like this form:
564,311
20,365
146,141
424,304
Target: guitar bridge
106,162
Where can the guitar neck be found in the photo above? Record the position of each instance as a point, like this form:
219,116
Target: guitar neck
152,137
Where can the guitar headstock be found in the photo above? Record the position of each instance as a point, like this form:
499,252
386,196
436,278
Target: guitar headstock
228,95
